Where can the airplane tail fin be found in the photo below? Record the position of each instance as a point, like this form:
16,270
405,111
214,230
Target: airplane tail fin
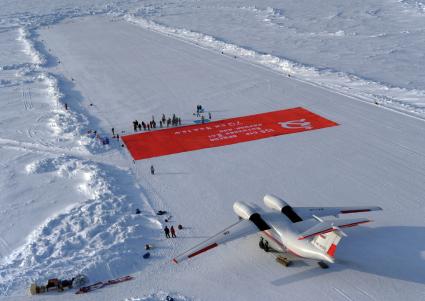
327,242
327,234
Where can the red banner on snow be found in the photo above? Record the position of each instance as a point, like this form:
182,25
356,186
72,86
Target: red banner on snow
223,132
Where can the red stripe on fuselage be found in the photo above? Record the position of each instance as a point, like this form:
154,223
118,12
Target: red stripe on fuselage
203,250
332,229
354,211
354,224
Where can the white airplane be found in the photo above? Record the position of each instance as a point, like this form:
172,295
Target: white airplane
296,231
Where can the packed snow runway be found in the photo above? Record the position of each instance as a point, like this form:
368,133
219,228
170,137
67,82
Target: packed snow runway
112,72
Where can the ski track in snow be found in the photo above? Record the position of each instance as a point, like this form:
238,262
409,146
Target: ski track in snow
344,295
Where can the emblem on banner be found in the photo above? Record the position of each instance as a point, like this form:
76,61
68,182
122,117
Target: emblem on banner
296,124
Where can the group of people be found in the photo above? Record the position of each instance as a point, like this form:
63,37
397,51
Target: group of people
200,113
94,134
171,121
115,135
171,230
199,110
174,121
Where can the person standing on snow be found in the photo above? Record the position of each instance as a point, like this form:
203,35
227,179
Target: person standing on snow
167,232
173,232
152,170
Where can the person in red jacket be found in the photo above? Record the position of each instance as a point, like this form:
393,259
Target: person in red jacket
173,232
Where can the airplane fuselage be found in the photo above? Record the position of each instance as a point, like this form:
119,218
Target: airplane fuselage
284,237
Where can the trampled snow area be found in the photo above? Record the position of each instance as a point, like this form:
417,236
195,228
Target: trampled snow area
68,202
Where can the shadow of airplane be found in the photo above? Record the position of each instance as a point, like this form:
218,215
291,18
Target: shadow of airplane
393,252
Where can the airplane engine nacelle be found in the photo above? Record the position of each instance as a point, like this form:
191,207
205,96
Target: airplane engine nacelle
274,202
243,210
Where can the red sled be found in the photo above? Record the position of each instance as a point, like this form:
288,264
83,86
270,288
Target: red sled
102,284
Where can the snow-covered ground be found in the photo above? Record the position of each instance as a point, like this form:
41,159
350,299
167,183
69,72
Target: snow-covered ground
68,202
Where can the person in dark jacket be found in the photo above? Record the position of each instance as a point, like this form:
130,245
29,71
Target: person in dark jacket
173,232
167,232
152,170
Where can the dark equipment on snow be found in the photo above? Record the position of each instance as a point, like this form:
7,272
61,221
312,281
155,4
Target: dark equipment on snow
283,260
58,284
80,280
323,265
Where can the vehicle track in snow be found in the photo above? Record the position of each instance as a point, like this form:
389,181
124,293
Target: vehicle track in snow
26,98
343,294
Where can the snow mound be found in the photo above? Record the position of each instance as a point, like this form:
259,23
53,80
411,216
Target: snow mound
100,236
418,6
160,296
29,48
7,83
409,101
67,125
15,66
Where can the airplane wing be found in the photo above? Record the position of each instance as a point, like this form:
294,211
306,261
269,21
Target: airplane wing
308,212
240,229
331,225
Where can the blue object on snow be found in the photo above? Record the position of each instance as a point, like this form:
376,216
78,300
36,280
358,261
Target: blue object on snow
146,255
